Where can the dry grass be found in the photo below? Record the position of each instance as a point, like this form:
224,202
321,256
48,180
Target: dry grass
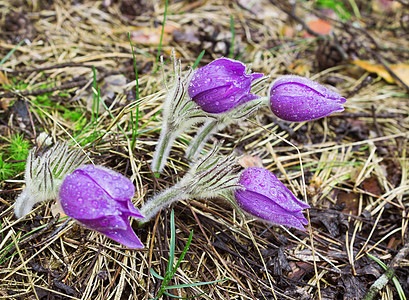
355,164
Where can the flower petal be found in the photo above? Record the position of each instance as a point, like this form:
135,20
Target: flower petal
264,208
266,198
209,100
106,223
265,183
116,185
303,81
81,198
297,99
126,237
221,85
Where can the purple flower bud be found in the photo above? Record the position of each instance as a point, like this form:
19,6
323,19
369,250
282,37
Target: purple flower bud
222,85
100,199
295,98
267,198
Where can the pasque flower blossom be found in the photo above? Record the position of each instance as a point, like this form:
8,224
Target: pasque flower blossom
265,197
222,85
295,98
100,199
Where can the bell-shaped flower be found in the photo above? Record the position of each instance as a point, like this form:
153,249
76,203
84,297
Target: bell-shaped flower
268,199
100,199
222,85
296,99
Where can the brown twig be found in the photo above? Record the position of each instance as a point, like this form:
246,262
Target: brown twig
58,66
291,13
389,273
35,235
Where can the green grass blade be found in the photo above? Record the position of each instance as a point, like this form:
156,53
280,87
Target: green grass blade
180,286
198,59
11,52
94,96
183,253
233,36
395,280
135,122
172,242
161,36
154,274
178,297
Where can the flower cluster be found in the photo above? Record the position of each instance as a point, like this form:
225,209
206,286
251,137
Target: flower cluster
218,94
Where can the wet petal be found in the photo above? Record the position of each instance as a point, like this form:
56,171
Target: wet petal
116,185
81,198
296,99
266,198
221,85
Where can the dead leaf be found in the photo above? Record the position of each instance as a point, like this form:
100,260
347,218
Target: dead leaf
189,35
351,201
299,270
299,67
319,26
112,85
371,185
288,31
5,103
401,70
56,208
3,79
151,36
248,161
386,6
378,69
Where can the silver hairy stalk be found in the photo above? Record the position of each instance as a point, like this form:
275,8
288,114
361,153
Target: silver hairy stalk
209,177
179,113
44,175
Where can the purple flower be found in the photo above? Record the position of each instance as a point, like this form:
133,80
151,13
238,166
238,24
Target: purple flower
222,85
295,98
100,199
267,198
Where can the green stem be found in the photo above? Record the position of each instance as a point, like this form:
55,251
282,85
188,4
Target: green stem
166,139
161,200
201,137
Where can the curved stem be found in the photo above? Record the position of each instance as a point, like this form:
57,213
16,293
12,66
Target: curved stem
204,133
161,200
166,139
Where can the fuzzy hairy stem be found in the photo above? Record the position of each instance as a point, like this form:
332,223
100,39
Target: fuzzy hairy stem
202,136
221,121
165,142
161,200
